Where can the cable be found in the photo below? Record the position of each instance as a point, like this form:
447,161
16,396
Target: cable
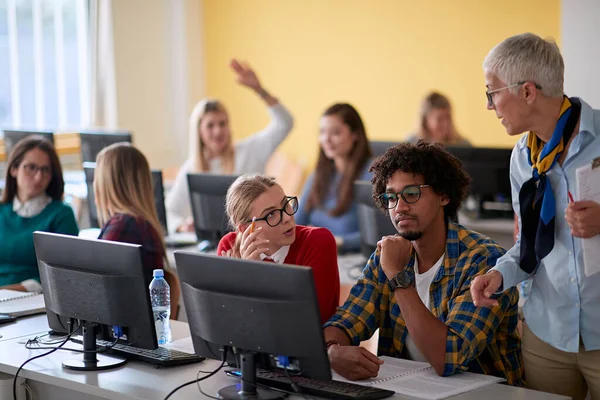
35,358
195,380
103,349
285,362
198,384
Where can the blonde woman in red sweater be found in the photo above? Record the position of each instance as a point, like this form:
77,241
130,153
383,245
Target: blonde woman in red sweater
263,219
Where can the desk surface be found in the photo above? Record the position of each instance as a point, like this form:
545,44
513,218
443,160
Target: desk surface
137,380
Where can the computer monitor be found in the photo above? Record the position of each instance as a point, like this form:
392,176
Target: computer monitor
372,223
101,285
207,196
379,147
12,136
489,169
159,198
88,169
263,310
92,142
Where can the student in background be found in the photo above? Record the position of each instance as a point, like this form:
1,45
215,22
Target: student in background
211,148
344,156
436,124
125,203
31,201
415,286
263,219
561,335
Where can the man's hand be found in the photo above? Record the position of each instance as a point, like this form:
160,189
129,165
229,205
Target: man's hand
394,253
583,218
483,287
353,362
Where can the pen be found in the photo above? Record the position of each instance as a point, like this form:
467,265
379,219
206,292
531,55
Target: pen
570,197
252,224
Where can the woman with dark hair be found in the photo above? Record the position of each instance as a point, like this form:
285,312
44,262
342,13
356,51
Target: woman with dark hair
343,158
32,201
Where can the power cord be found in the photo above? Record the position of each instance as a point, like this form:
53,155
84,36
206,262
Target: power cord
224,360
35,358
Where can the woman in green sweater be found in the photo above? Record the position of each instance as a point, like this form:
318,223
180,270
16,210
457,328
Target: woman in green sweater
31,201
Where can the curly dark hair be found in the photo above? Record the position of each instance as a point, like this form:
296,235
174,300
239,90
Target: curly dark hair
441,170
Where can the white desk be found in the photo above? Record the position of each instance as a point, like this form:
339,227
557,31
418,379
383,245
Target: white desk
135,380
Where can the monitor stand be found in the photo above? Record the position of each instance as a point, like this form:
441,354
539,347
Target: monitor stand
247,389
92,361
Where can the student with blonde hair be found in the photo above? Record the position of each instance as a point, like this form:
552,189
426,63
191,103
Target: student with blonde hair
263,219
211,148
125,202
436,124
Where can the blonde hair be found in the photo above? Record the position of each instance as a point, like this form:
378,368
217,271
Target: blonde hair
123,185
240,196
196,149
435,101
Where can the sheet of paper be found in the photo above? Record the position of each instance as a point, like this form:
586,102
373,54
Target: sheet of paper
429,385
390,369
23,306
6,295
588,188
185,345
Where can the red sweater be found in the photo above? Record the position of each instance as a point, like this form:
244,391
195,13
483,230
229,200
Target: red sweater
314,248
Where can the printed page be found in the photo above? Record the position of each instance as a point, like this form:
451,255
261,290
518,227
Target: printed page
390,369
588,188
427,384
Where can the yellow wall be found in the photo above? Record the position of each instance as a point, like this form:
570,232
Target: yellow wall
381,56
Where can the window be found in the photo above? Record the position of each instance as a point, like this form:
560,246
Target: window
44,63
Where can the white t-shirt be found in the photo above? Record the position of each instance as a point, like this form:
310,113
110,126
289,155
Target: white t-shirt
422,284
251,155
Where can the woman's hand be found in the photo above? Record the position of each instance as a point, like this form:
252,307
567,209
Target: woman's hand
252,245
245,75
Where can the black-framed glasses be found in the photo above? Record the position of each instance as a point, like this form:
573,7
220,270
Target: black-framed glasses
489,93
274,217
410,194
32,170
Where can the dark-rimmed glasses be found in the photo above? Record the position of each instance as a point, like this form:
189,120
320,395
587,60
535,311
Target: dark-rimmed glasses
274,217
32,170
410,194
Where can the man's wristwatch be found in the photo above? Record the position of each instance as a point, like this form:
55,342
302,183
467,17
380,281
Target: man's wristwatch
402,280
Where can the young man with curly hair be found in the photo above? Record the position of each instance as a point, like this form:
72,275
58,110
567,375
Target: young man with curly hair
415,287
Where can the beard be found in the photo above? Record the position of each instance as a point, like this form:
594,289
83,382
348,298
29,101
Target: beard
411,235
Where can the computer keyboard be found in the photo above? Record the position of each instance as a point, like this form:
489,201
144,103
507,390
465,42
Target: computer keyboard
161,357
327,389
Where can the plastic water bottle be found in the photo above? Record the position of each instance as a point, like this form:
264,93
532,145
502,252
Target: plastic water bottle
160,296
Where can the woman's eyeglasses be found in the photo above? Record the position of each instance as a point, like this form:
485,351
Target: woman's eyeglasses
32,170
274,217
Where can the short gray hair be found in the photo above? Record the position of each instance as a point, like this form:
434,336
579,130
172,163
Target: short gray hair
528,57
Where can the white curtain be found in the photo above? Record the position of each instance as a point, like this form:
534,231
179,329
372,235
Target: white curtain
102,61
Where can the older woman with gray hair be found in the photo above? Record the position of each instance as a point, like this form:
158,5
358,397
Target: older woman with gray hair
561,335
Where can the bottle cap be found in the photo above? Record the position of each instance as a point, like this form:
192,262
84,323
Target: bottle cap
158,273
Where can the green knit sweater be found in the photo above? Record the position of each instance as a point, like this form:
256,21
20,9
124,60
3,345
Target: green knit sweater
17,253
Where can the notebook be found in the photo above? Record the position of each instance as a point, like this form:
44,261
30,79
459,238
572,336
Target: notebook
419,380
588,188
21,304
